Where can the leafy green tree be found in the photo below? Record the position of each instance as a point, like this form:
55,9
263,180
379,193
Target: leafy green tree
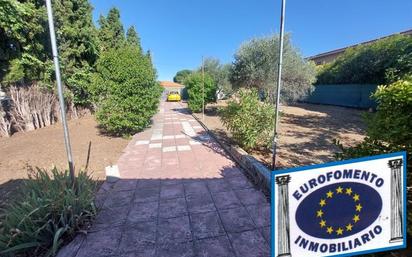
126,91
132,38
220,74
200,90
24,43
383,61
256,64
78,46
181,76
111,32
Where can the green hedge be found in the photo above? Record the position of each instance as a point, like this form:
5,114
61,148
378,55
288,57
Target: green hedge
383,61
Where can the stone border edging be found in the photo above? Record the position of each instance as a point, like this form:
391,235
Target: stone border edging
254,169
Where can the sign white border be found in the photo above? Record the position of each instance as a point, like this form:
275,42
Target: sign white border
400,155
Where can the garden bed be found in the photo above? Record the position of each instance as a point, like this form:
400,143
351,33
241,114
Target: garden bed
45,148
306,133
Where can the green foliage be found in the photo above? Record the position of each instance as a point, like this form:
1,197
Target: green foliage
23,41
132,38
200,89
250,121
383,61
256,65
111,32
390,128
181,76
48,212
220,74
125,90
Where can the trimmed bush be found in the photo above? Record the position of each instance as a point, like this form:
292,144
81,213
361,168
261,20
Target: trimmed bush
383,61
126,91
390,128
48,212
250,121
194,85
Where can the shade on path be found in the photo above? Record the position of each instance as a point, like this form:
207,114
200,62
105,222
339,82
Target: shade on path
179,195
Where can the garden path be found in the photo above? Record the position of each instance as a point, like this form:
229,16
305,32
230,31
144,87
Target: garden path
179,194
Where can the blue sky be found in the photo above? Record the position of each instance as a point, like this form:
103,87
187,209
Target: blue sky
179,32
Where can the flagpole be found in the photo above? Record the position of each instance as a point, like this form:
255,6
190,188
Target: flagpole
60,90
279,83
203,89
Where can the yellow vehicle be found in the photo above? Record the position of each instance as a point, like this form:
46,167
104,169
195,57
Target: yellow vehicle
173,97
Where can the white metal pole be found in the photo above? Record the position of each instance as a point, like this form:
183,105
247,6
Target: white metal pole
203,90
60,90
279,83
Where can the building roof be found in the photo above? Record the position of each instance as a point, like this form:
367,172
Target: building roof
341,50
170,84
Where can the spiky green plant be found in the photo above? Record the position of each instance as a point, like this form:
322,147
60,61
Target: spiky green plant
48,212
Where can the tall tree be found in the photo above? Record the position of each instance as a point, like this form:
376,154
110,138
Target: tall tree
78,45
256,62
111,33
133,38
181,76
23,41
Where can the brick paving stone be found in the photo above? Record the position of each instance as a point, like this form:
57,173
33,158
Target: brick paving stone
265,231
172,191
147,194
251,196
139,239
226,200
185,249
200,203
206,224
196,187
173,208
218,185
260,214
141,212
118,199
215,247
239,182
101,243
179,194
125,185
249,243
236,220
174,230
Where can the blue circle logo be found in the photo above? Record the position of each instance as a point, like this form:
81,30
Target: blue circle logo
339,210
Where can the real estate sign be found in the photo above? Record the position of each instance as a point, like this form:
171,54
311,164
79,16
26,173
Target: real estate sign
340,209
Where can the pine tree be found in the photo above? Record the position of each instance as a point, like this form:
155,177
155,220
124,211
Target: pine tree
132,38
23,41
78,45
111,33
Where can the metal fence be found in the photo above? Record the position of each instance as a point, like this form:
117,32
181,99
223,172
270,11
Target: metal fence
347,95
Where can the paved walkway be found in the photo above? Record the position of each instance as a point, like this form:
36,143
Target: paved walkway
179,195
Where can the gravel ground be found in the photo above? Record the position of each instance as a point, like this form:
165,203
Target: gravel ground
45,148
306,132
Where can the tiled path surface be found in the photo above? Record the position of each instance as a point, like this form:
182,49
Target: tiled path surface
179,195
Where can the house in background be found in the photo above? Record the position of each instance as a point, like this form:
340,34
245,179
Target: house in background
171,86
330,56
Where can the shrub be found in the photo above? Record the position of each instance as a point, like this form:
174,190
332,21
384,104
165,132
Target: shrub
48,212
390,128
125,90
383,61
250,121
194,85
256,65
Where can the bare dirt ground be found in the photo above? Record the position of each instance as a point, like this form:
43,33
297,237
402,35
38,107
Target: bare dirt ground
307,132
45,148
